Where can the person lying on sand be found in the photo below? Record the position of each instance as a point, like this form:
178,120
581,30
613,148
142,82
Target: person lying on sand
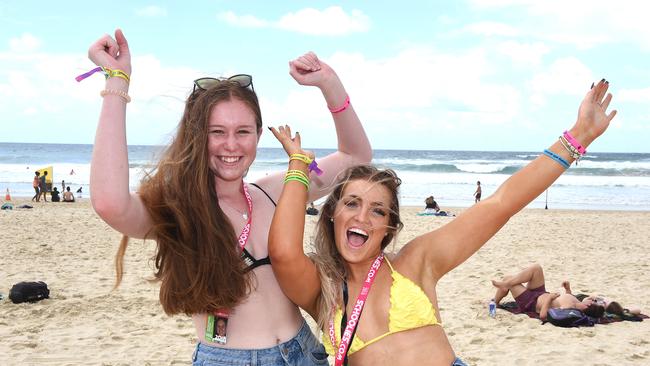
533,297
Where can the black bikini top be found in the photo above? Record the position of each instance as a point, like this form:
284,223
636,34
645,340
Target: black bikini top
250,261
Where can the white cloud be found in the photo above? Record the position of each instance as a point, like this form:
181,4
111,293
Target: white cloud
333,21
634,95
25,43
492,29
151,11
564,76
524,53
245,21
583,23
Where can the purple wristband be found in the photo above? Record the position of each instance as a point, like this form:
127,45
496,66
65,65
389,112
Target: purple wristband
313,167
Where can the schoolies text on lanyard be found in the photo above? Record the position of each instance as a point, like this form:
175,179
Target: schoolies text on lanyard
217,324
351,327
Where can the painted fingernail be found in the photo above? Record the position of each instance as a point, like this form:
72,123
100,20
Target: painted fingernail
592,86
269,128
601,80
607,82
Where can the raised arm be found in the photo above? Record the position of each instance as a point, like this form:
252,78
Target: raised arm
449,246
109,169
295,272
353,145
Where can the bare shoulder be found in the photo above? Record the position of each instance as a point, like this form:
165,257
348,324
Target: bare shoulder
412,258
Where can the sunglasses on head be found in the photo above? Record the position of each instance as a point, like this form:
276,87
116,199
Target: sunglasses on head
243,80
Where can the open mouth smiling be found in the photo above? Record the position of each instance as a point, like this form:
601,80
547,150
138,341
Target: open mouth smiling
357,237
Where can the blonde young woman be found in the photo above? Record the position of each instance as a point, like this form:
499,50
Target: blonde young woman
210,226
386,306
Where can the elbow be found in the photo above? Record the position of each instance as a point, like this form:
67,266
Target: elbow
107,209
279,253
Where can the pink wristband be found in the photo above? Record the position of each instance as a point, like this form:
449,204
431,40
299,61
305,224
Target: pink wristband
574,143
345,106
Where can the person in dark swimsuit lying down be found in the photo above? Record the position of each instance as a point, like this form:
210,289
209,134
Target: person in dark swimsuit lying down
533,297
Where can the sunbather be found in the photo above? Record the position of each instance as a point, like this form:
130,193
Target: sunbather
533,297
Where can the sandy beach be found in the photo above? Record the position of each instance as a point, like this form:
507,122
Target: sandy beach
83,322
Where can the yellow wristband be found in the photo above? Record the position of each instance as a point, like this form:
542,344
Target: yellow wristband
116,73
302,157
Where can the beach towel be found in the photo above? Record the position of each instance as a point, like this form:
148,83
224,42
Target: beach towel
511,307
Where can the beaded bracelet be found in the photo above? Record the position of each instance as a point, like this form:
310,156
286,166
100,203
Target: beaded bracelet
345,106
574,143
570,149
557,158
119,93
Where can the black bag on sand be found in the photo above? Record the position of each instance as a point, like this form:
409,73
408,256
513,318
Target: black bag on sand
29,292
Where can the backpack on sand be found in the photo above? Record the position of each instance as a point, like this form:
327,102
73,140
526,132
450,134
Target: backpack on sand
29,292
568,318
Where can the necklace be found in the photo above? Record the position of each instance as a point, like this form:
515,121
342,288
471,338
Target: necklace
243,214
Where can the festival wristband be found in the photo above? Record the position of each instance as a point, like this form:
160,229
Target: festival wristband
574,143
107,73
345,106
557,158
301,157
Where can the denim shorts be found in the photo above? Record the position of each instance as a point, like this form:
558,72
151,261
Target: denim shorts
301,350
458,362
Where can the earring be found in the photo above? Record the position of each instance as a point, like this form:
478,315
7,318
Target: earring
331,219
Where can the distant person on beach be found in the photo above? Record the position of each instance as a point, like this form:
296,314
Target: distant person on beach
375,314
63,186
67,195
36,183
430,205
55,195
42,186
311,210
72,172
477,193
533,297
431,208
195,204
612,307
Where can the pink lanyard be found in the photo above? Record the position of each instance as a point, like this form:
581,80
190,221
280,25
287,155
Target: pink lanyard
350,328
245,232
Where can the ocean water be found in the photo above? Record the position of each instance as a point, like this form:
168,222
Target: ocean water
610,181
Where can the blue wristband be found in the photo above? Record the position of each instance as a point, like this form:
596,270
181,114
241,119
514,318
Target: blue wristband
557,158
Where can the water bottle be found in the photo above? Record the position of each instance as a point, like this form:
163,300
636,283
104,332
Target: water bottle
492,308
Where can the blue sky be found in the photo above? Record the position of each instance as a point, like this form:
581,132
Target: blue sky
461,75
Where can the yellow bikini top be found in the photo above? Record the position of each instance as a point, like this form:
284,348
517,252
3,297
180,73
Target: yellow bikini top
410,308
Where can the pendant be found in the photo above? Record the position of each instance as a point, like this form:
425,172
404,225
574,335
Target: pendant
245,216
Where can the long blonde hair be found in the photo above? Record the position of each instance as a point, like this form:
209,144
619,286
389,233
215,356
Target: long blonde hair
327,259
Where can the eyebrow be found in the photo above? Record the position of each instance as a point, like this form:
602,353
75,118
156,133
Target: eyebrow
358,198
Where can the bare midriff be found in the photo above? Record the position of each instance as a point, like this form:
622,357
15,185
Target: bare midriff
427,345
263,320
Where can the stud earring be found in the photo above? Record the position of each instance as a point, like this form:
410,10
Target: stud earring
331,219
